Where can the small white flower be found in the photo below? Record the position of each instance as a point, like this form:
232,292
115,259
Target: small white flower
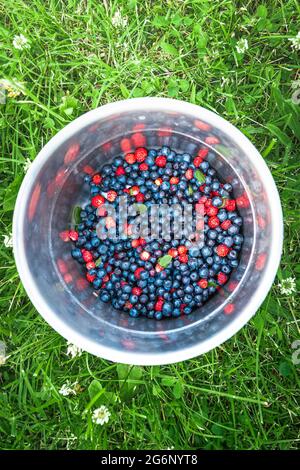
8,241
26,165
3,357
242,46
119,21
68,389
287,286
20,42
73,350
296,42
101,415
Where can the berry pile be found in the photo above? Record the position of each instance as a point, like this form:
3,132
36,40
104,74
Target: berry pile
158,278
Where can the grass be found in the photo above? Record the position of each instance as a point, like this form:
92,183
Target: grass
243,394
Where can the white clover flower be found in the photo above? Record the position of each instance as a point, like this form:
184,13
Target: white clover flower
8,241
119,21
68,389
20,42
26,165
287,286
101,415
242,45
296,42
73,350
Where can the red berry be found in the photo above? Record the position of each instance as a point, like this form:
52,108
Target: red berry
136,291
87,256
130,158
197,161
111,195
142,241
183,258
134,190
143,167
212,211
73,235
212,140
242,201
62,266
213,222
97,200
189,174
173,252
101,211
174,180
226,224
222,250
158,181
138,127
158,268
88,170
222,278
90,277
125,145
110,222
145,255
90,265
140,154
128,305
161,161
230,205
71,153
159,304
140,197
137,272
135,243
120,171
97,179
182,249
202,153
139,140
228,309
203,283
202,125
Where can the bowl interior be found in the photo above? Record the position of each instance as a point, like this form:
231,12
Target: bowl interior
56,187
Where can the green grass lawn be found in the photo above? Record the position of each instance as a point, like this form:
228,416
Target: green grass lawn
80,55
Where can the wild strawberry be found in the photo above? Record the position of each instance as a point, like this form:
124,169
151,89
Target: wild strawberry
242,201
110,222
139,140
173,252
222,278
226,224
120,171
125,145
90,265
158,181
137,272
138,127
90,277
140,154
73,235
128,305
189,174
87,256
97,179
142,241
88,170
159,304
71,153
111,195
158,268
136,291
134,190
202,283
145,255
127,229
222,250
212,140
183,258
135,243
161,161
97,200
143,167
130,158
211,211
174,180
230,205
140,197
213,222
203,152
101,211
229,309
182,249
197,161
62,266
68,278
